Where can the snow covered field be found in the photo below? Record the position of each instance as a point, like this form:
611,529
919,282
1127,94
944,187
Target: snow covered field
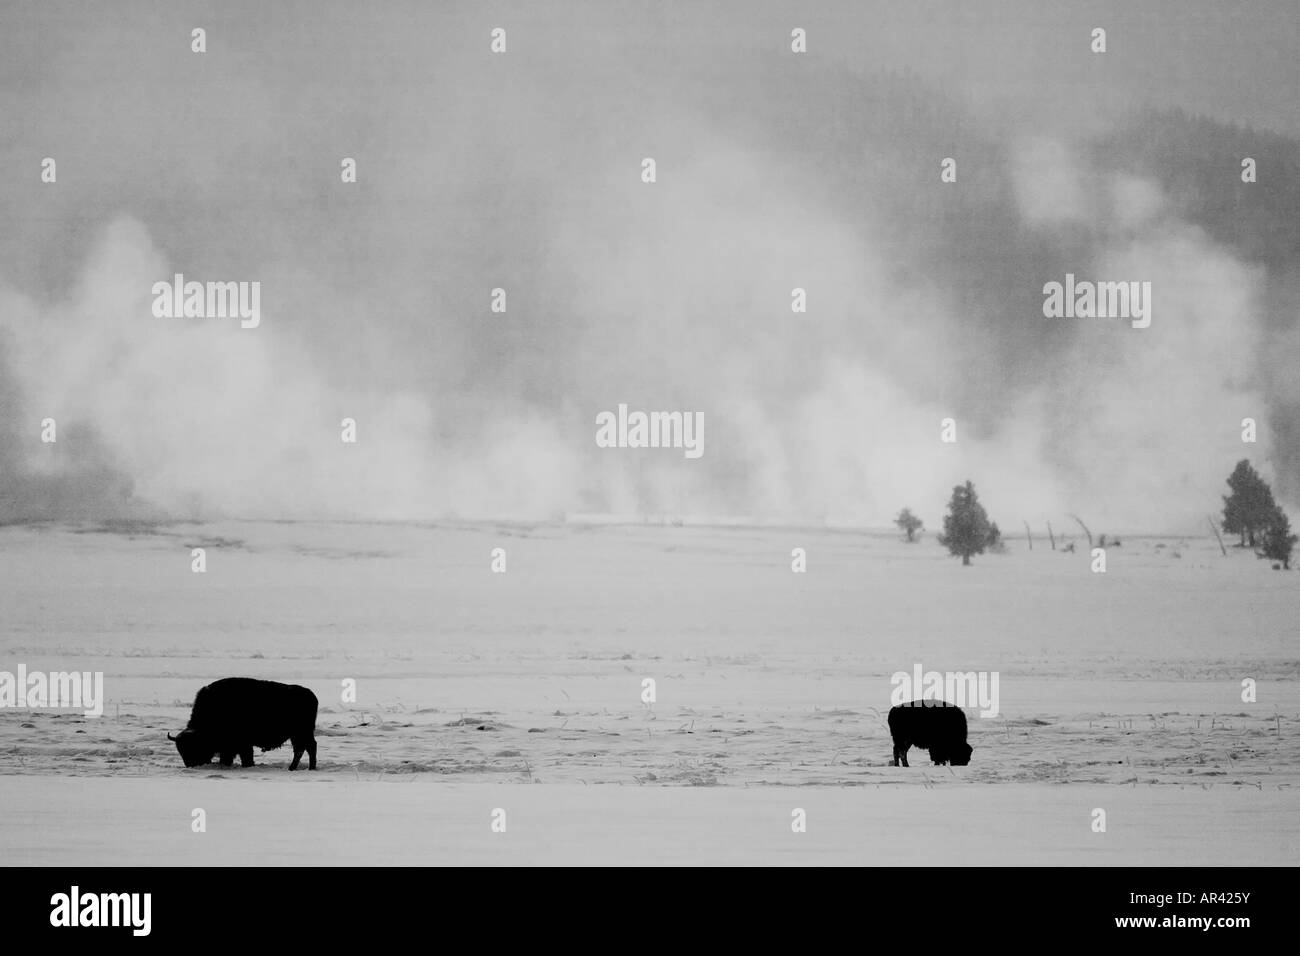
522,691
272,818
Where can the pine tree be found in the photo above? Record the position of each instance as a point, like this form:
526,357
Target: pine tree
1250,508
1278,540
966,527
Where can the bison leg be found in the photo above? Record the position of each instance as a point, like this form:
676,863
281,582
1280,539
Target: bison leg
900,753
227,758
300,744
246,757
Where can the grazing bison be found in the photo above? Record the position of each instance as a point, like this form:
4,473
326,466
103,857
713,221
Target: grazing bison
933,725
233,715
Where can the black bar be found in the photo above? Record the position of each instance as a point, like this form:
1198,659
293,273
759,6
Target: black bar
882,905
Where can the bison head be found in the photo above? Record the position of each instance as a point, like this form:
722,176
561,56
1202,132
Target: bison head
961,754
193,749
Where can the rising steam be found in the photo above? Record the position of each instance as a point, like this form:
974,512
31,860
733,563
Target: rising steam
922,305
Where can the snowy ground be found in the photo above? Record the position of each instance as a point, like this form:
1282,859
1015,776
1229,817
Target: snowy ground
1119,690
273,818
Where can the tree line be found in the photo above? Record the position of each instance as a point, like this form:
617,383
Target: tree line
1249,511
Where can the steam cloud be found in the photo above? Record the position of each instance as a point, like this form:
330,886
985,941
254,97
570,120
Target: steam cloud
924,303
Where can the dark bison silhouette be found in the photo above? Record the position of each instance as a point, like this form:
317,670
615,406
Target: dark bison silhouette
933,725
233,715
